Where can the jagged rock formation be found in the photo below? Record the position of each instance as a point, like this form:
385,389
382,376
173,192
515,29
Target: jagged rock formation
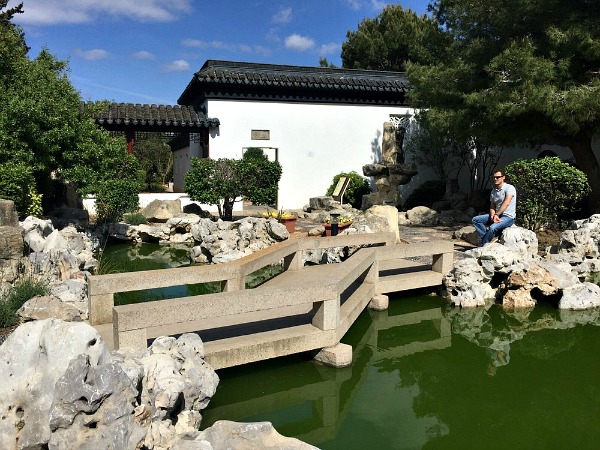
391,172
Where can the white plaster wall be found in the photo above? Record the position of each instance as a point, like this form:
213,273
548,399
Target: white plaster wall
89,203
315,141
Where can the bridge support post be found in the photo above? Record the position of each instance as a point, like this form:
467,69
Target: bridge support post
134,339
442,263
339,355
379,302
327,314
100,307
234,284
293,261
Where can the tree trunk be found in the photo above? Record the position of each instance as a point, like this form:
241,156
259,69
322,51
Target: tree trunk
228,209
586,161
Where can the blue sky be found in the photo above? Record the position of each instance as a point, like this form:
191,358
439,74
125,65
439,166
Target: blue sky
146,51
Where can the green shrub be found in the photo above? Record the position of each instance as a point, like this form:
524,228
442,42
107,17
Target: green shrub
357,187
155,187
134,218
15,181
553,189
220,182
254,153
15,298
35,203
115,198
426,194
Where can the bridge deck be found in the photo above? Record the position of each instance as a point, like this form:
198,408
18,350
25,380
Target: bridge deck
302,309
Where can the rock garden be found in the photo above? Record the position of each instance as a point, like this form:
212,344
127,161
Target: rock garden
62,386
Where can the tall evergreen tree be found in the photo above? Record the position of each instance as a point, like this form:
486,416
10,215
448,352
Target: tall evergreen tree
390,40
517,71
43,135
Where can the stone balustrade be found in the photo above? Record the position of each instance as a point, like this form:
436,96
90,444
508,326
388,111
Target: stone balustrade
313,306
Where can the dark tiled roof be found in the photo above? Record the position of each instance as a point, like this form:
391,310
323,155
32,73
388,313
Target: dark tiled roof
120,116
240,80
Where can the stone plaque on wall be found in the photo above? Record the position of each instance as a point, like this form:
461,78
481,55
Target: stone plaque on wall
260,135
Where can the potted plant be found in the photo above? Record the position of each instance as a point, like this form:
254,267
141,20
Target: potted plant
342,223
286,218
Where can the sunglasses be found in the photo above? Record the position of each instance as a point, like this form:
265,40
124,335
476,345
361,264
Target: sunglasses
495,178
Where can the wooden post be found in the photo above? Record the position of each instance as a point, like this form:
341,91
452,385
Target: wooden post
130,136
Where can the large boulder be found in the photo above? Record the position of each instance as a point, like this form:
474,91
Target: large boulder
523,288
33,358
11,243
225,434
422,215
162,210
60,388
48,307
390,216
8,214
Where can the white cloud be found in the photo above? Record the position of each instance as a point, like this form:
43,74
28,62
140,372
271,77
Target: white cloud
328,49
272,35
354,4
51,12
284,15
259,49
378,5
299,43
226,46
179,65
196,43
92,55
143,55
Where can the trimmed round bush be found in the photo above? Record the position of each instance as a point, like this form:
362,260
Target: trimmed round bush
548,189
357,187
115,198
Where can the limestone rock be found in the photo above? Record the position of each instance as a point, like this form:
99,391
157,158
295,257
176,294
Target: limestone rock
8,214
33,358
45,227
520,240
326,202
93,408
580,296
422,215
468,234
48,307
182,223
11,242
162,210
466,285
35,241
225,434
276,230
390,214
151,233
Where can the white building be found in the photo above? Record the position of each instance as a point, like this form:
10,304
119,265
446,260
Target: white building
316,121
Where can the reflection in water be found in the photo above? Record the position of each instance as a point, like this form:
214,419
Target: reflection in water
419,379
126,257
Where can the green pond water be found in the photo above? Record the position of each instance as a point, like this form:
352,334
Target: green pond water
125,257
424,376
428,376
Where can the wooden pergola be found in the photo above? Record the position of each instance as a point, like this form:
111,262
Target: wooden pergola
133,119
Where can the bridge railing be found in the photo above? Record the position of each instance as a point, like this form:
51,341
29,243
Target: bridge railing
231,275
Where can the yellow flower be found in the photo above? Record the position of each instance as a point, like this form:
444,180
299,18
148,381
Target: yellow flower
278,214
342,220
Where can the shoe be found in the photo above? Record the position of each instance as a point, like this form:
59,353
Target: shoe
494,239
